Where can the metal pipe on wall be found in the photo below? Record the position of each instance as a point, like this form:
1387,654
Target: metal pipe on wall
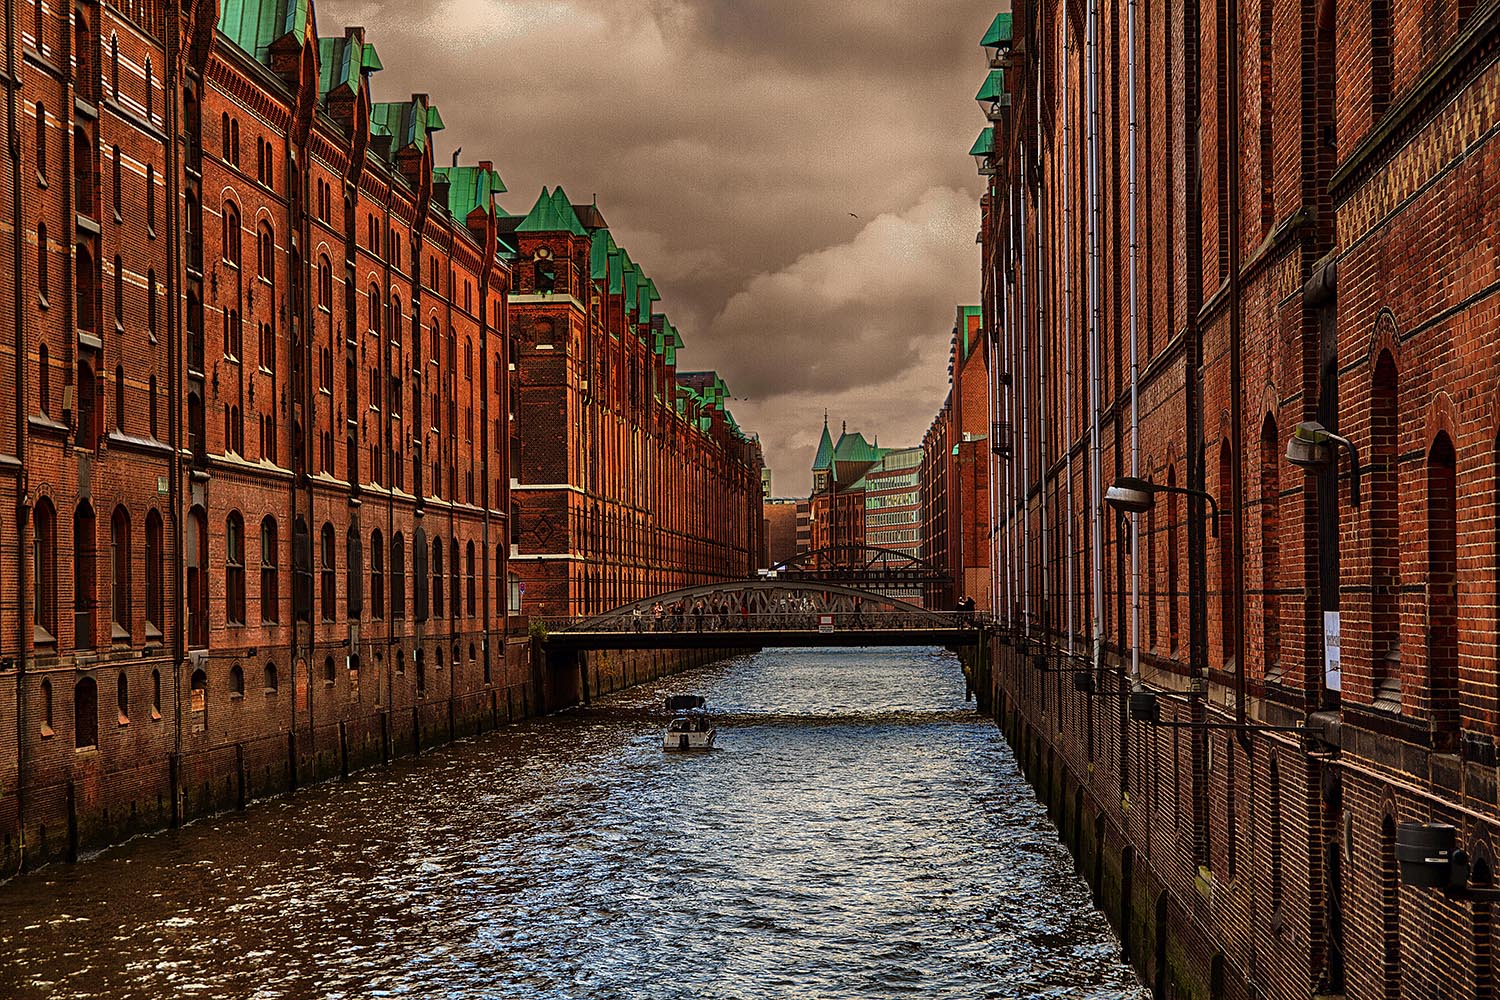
1023,502
1135,368
1041,326
1067,321
1096,491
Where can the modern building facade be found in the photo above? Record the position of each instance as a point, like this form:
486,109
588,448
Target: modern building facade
780,532
1259,218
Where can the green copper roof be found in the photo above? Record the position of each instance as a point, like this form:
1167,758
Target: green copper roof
630,278
985,144
994,87
342,61
965,313
824,458
470,188
600,251
853,448
552,213
410,124
254,25
999,33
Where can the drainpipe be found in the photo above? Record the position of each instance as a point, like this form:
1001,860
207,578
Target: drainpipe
1041,373
1135,367
1067,321
1023,502
1236,417
171,176
1096,492
22,348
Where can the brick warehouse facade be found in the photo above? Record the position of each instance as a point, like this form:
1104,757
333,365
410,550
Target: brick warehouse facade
1314,207
215,226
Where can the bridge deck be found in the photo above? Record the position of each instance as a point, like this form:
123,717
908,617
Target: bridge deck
760,638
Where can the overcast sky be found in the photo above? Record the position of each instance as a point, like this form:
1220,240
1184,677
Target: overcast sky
728,143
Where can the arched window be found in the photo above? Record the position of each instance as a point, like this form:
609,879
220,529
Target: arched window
196,547
1228,623
85,279
419,574
151,207
265,252
354,570
377,575
114,65
83,63
1270,548
398,577
41,142
122,698
231,236
234,569
469,594
396,319
302,570
437,578
1442,591
224,137
1380,58
234,141
269,603
1174,579
325,283
150,92
327,585
84,180
198,700
87,431
85,713
154,556
329,674
46,707
119,577
155,694
117,197
43,280
375,306
44,380
1385,551
272,682
85,598
236,682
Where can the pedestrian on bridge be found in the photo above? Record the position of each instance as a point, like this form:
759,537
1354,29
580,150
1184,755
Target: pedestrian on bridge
656,613
698,613
635,617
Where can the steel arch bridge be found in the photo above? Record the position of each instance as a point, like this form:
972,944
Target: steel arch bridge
763,612
863,566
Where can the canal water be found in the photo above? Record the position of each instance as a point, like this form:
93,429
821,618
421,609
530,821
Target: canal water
860,833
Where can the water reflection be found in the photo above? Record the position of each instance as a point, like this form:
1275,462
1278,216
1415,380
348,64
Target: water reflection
860,833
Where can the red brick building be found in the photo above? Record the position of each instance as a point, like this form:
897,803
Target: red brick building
630,479
956,473
1310,188
256,447
780,532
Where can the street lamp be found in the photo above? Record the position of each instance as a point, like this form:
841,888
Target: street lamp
1133,495
1430,858
983,152
1311,447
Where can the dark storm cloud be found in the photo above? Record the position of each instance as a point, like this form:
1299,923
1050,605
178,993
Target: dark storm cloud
728,141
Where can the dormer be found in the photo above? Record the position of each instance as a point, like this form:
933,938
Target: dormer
344,68
550,244
406,128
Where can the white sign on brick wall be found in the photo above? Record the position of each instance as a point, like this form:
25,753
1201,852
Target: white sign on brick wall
1333,673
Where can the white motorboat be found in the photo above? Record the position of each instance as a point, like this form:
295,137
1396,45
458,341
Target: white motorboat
690,728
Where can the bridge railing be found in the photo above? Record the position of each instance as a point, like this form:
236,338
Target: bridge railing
777,621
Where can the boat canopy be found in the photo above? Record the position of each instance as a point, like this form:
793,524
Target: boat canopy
685,702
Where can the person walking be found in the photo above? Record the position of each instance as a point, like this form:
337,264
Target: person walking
656,613
635,617
698,613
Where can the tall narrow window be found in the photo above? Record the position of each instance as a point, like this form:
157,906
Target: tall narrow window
114,66
1380,58
377,575
265,253
1385,551
122,698
469,588
42,272
437,578
150,92
151,305
44,380
269,578
46,692
85,598
119,576
234,569
375,307
328,586
1151,584
116,182
44,570
1174,579
150,200
85,713
453,571
41,142
354,569
1228,623
1270,549
195,545
421,592
120,398
154,556
231,240
1442,591
398,577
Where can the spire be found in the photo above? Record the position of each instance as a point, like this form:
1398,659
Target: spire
824,459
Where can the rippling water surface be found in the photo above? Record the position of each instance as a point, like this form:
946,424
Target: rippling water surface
859,833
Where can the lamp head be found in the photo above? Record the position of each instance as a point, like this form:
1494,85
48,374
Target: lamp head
1131,495
1309,447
